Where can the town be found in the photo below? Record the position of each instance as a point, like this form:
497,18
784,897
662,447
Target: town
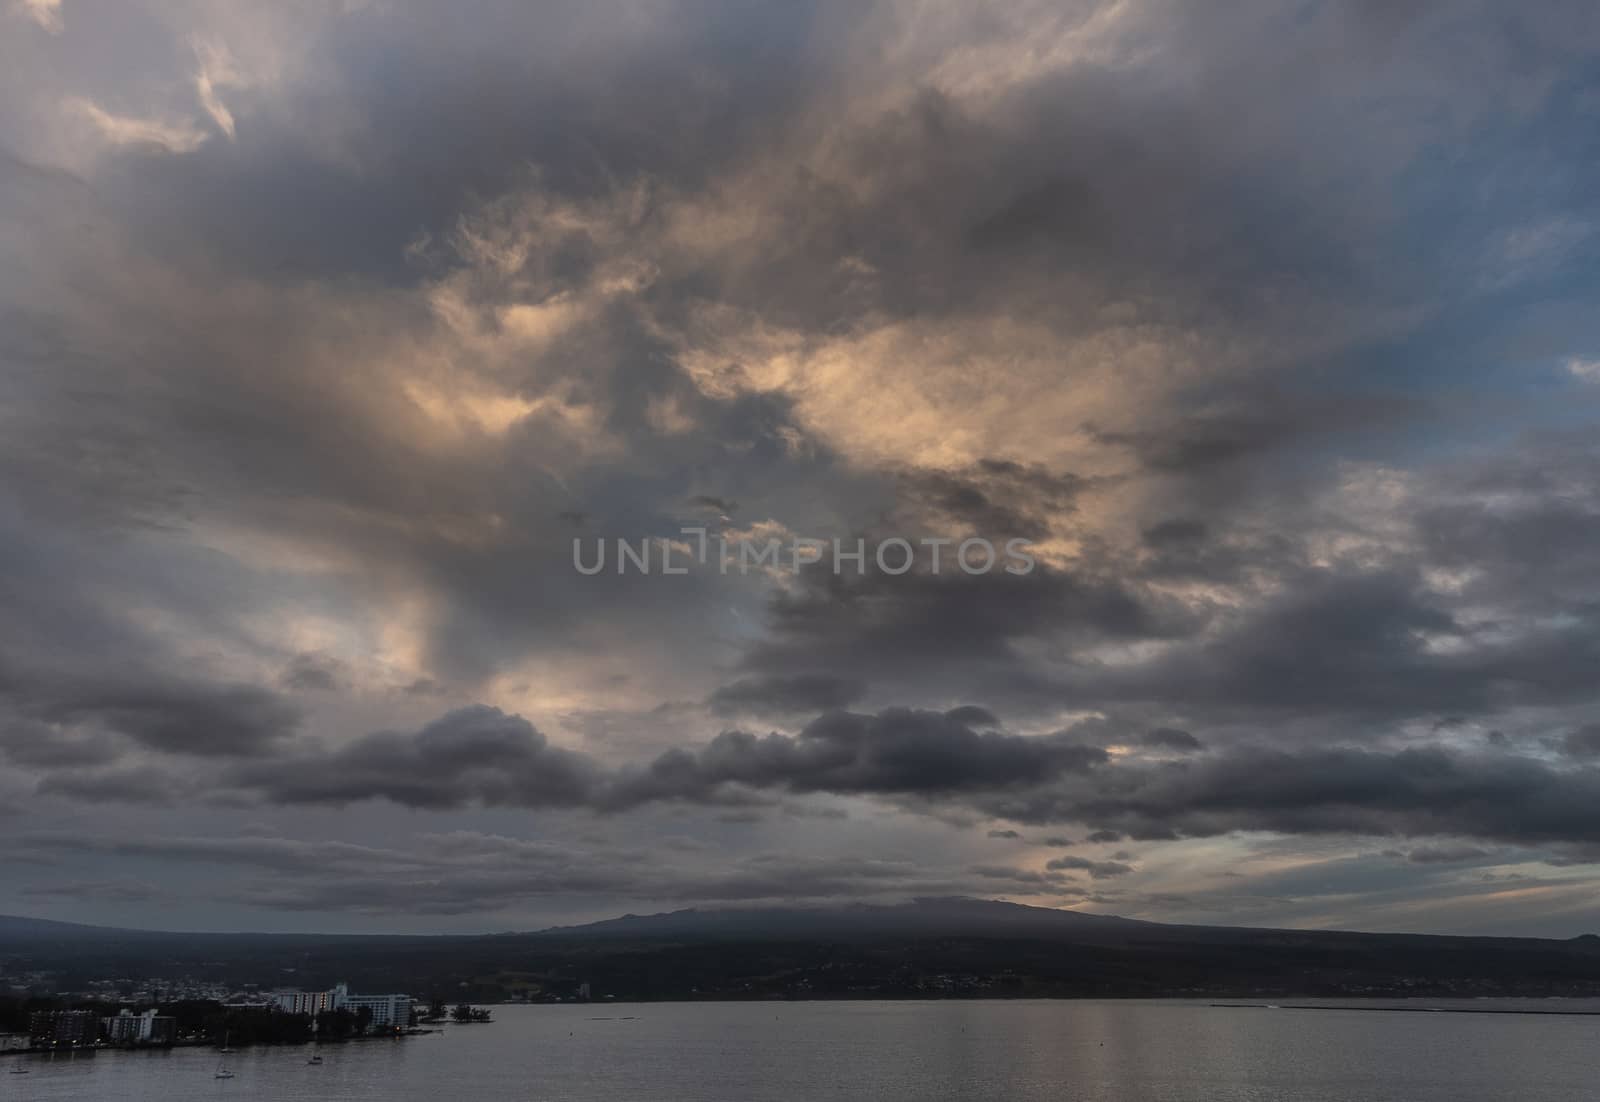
208,1017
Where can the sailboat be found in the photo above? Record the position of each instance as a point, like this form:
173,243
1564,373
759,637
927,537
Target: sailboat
222,1071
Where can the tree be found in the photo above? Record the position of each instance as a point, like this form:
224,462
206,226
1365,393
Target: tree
336,1025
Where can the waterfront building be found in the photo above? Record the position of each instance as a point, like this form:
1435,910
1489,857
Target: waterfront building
64,1028
388,1011
148,1028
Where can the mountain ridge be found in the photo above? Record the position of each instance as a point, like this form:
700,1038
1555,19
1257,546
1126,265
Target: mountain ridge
950,947
955,915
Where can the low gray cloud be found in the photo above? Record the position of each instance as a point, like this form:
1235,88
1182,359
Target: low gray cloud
1097,870
90,892
786,694
1583,743
465,872
1445,854
131,784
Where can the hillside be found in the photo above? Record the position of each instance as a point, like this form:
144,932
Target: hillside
932,947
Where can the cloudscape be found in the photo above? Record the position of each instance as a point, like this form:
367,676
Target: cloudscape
1249,349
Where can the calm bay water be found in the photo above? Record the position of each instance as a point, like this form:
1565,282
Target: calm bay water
1115,1051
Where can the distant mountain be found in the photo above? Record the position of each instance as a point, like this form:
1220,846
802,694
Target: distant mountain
927,948
935,917
18,928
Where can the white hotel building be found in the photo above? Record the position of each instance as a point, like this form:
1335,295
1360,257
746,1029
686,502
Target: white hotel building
388,1011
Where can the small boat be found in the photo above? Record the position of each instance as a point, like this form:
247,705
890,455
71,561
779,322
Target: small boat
314,1060
20,1070
223,1073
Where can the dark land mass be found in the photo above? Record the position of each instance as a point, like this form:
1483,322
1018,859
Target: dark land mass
930,948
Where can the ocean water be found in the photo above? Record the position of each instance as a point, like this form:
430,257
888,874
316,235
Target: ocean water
1094,1051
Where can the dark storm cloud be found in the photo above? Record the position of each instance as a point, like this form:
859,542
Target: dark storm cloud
158,712
786,694
1416,792
482,756
900,751
1170,738
474,755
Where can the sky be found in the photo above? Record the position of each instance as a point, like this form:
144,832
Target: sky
328,327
